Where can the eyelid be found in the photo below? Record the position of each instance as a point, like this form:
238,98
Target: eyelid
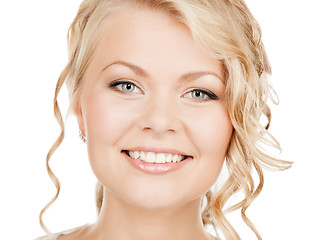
210,95
116,83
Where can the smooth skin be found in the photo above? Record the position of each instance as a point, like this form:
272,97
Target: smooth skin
158,109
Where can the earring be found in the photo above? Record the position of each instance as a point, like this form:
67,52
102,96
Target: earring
82,136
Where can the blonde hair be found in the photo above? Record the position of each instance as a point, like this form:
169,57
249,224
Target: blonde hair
227,30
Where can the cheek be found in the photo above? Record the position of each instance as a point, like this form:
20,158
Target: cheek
105,120
212,131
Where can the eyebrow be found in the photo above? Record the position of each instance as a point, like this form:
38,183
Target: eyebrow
141,72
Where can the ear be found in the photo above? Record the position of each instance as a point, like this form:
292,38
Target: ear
79,115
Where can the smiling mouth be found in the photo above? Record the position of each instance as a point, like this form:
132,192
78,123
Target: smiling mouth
156,158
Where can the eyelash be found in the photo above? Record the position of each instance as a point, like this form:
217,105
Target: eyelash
114,85
210,95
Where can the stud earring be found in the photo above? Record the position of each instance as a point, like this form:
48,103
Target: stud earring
82,136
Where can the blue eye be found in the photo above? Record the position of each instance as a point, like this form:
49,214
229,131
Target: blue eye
123,86
202,95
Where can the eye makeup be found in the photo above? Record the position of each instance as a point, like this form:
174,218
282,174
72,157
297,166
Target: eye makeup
124,86
203,92
206,94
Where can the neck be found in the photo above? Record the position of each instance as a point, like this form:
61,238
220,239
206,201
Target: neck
120,220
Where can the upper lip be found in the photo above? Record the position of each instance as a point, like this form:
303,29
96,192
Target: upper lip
157,150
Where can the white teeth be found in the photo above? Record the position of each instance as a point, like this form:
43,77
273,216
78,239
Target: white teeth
160,158
175,157
135,155
142,155
132,154
150,157
155,158
169,157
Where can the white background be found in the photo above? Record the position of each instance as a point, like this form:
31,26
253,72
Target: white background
32,55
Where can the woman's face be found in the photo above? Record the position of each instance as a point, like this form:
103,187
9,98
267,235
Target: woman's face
156,111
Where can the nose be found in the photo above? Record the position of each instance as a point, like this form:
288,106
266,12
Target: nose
160,114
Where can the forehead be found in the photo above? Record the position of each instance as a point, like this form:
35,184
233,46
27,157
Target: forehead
154,40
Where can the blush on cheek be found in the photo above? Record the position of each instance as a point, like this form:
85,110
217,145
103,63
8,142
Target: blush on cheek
106,120
215,132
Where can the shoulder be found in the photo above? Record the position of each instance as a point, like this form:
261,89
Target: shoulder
74,233
47,238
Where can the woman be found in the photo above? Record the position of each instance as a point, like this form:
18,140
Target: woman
164,93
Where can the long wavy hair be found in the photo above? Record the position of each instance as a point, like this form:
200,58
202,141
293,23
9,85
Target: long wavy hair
227,30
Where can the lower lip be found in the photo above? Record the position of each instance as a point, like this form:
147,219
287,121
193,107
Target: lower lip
156,168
